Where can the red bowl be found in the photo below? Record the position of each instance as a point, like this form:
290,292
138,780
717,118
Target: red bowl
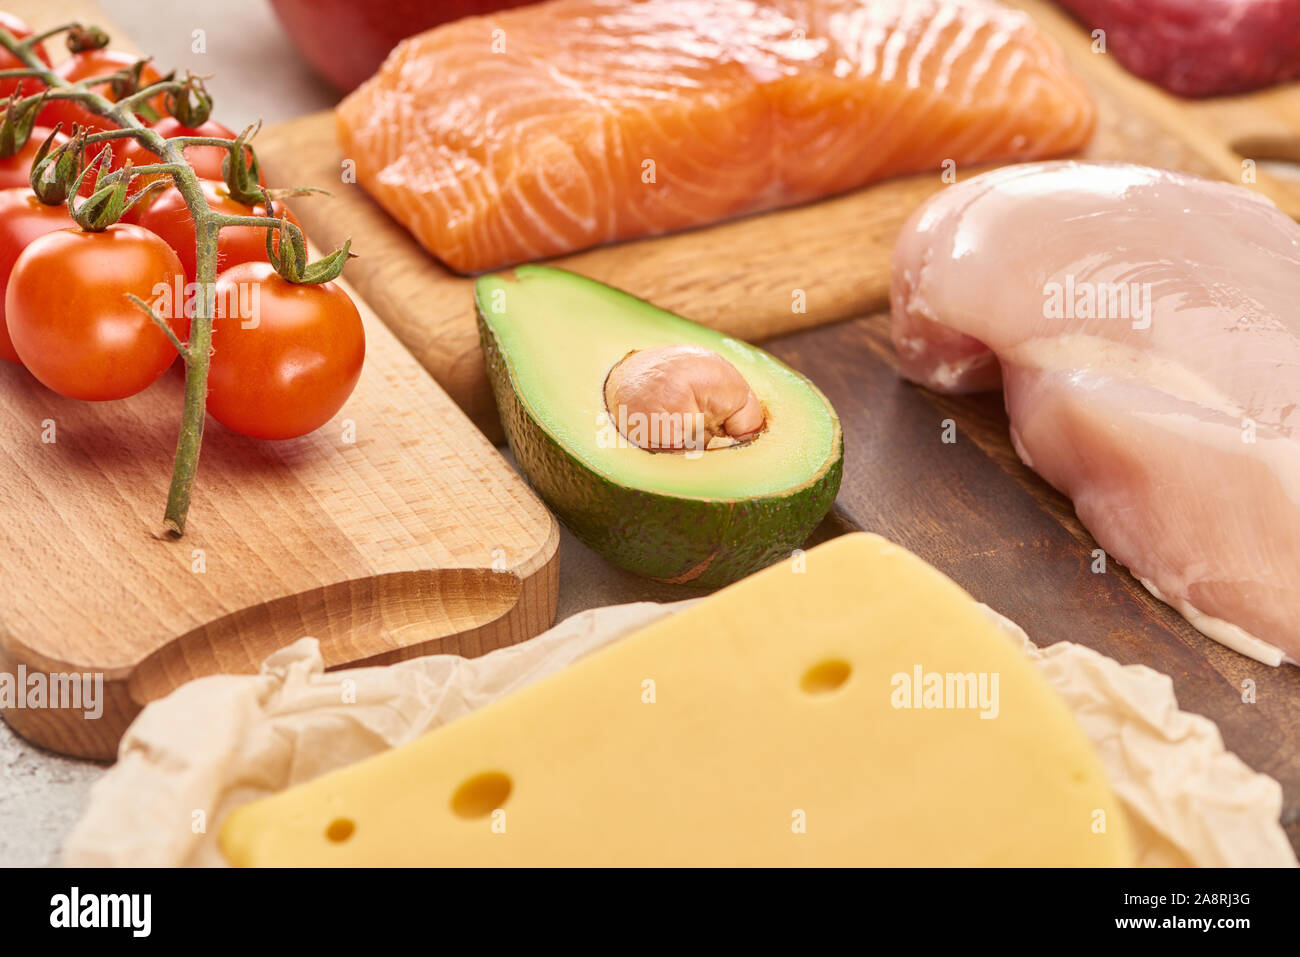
346,40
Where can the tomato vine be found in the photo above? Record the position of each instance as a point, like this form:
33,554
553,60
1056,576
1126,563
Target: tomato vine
58,174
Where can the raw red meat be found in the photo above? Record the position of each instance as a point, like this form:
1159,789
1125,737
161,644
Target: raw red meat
1200,47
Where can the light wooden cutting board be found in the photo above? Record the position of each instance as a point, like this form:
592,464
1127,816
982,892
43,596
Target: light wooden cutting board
396,530
754,278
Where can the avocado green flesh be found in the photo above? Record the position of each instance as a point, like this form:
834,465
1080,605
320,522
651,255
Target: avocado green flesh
550,338
561,334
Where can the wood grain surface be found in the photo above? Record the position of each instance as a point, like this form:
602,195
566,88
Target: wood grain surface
754,278
395,530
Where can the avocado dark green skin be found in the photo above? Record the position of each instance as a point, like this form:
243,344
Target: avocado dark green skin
702,542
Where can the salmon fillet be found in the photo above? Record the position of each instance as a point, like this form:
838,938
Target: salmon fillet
563,125
1142,325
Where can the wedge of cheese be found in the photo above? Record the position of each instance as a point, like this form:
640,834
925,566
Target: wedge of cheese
851,706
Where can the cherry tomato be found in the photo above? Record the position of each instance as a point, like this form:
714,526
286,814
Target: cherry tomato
91,63
10,62
169,217
204,160
285,357
71,322
16,170
23,218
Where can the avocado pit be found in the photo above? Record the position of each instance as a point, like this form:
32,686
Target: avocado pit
681,398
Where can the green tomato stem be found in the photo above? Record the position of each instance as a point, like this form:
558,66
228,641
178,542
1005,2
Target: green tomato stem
145,94
150,169
163,325
197,360
43,35
100,135
261,222
185,141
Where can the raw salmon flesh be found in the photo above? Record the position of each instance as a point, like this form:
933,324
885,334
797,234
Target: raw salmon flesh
562,125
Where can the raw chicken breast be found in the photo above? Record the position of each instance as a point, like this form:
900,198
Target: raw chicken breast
1145,327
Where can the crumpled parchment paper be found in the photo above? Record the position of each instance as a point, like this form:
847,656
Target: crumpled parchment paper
218,742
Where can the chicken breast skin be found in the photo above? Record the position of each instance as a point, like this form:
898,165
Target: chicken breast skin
1144,326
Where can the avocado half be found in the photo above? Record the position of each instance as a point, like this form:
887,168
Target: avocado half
551,337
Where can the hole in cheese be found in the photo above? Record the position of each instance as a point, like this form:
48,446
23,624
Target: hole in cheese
340,830
481,795
826,676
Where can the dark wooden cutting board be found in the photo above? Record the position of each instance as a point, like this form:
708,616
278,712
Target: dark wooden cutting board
974,511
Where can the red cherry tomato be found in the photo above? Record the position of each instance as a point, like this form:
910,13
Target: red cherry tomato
16,170
92,63
10,62
71,322
204,160
286,358
169,217
23,218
